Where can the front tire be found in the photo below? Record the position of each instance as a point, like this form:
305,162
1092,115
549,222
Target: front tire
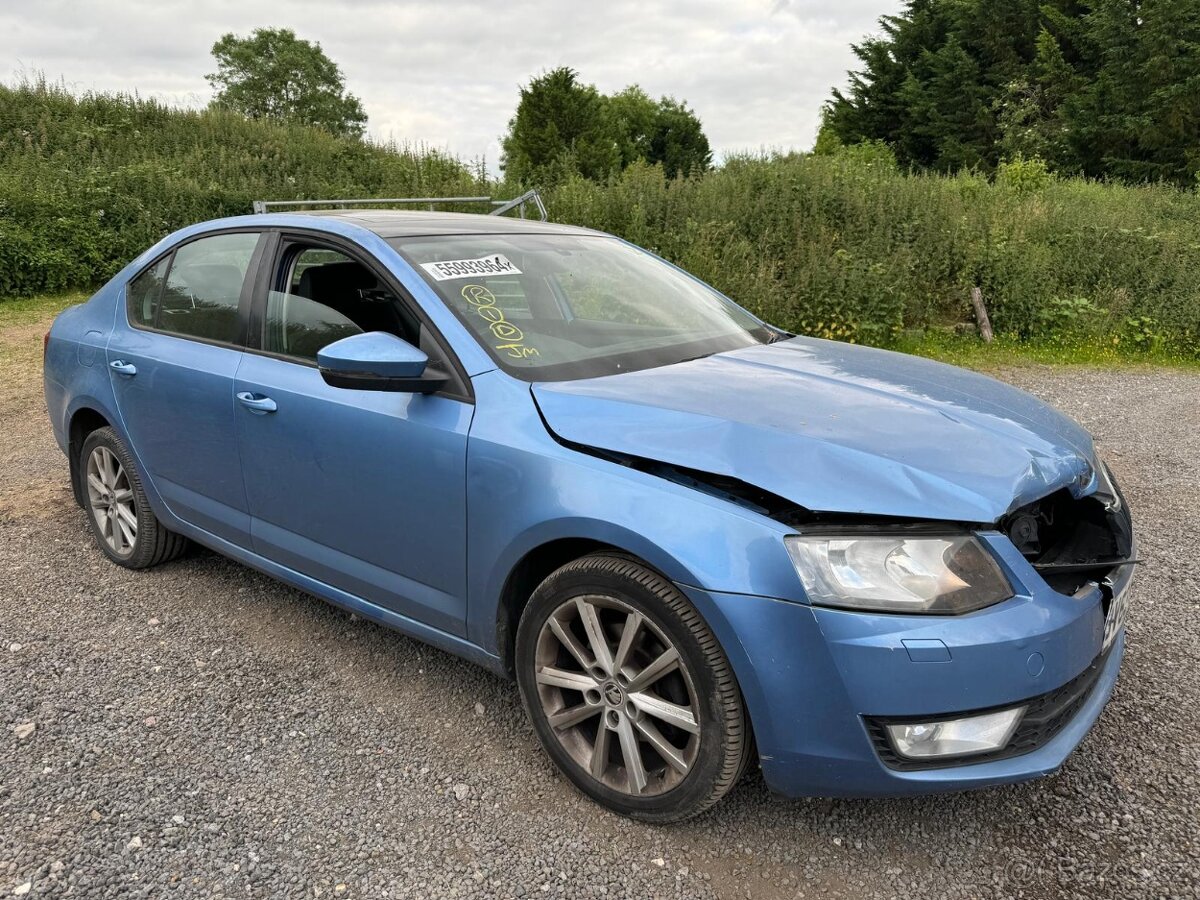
629,691
119,514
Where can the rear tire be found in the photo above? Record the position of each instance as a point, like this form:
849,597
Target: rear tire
119,515
629,691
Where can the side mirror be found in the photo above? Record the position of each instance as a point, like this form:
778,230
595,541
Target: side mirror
377,361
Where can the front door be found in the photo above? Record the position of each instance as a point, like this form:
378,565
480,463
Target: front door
172,360
362,490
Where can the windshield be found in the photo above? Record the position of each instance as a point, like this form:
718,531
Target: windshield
556,307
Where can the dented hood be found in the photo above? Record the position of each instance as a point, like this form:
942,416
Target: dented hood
835,428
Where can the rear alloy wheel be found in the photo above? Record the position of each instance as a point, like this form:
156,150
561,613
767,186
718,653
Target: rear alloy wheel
119,514
629,691
111,500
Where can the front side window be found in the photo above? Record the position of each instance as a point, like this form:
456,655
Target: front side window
329,296
555,307
202,288
298,327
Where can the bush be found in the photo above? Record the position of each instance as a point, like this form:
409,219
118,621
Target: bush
841,245
87,183
844,246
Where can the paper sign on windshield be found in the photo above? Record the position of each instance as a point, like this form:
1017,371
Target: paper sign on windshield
496,264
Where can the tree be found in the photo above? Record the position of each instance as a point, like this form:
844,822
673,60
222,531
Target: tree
559,125
929,84
678,143
562,126
272,74
1106,88
1032,111
1139,116
827,142
633,118
666,132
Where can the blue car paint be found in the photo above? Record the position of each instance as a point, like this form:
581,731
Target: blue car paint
385,354
871,431
363,489
179,405
808,674
524,490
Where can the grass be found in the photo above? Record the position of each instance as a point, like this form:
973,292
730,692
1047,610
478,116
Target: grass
16,311
89,182
970,352
958,350
845,248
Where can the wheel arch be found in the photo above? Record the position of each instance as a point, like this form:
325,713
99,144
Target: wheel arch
83,421
536,561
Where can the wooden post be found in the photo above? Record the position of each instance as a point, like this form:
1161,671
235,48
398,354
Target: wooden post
981,316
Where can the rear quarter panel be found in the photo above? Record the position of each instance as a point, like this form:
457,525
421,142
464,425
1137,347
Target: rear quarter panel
75,375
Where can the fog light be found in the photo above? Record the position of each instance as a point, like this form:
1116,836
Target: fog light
955,737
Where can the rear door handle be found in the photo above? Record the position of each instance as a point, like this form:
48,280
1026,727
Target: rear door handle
123,368
257,403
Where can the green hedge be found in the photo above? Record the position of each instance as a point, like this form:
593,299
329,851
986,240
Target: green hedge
88,183
846,247
841,246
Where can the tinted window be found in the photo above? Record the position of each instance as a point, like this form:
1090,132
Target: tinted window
204,286
143,292
330,296
297,326
310,258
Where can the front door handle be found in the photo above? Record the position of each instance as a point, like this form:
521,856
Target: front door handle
257,403
123,368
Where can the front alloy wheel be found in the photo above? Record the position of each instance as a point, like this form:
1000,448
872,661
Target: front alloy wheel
628,690
624,707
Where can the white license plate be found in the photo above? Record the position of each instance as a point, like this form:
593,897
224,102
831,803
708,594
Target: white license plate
1117,610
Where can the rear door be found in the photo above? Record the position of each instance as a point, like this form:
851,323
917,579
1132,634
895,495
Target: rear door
172,359
362,490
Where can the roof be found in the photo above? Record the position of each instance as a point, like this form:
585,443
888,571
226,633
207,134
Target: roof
389,223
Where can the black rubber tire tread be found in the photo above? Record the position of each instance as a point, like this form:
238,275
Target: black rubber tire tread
733,721
155,544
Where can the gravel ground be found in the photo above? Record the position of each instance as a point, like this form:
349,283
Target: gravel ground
202,731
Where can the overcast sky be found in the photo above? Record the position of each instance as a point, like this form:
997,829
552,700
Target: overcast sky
446,72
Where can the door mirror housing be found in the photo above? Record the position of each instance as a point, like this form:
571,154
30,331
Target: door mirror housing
378,361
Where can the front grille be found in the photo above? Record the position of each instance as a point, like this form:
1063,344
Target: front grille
1045,716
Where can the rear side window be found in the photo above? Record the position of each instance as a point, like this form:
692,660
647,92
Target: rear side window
143,293
196,291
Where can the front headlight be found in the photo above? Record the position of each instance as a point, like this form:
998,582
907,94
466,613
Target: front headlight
898,574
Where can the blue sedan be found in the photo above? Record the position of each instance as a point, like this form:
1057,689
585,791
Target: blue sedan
694,540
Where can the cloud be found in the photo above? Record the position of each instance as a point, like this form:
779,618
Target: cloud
447,74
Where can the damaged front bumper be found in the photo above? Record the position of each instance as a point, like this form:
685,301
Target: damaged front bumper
820,684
